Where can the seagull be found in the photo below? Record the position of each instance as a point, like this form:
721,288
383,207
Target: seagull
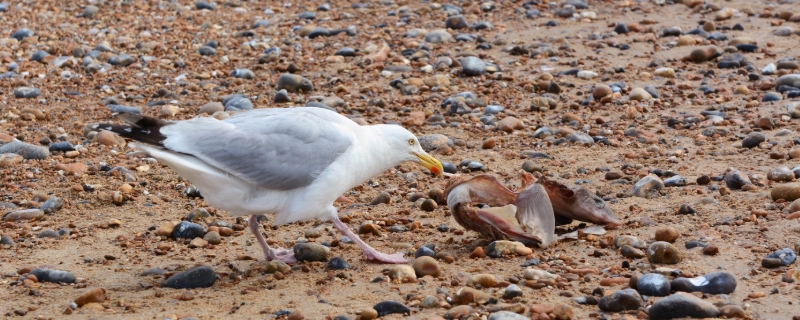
290,162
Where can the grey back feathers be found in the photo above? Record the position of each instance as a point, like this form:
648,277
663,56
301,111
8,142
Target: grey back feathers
278,149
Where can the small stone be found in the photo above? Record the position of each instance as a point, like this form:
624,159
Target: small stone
401,272
278,266
512,291
52,205
786,256
202,5
48,234
52,275
653,284
506,315
438,36
425,265
665,72
207,51
458,312
199,277
389,307
97,295
735,179
682,305
26,92
467,295
6,241
601,91
368,314
712,283
632,241
732,312
473,66
500,248
631,252
484,280
428,205
562,312
627,299
212,237
382,197
668,234
22,34
647,186
771,96
456,22
780,174
536,274
786,191
663,252
292,83
711,250
311,252
337,263
187,230
237,102
27,214
243,74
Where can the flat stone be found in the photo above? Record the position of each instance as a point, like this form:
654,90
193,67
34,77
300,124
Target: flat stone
199,277
627,299
712,283
682,305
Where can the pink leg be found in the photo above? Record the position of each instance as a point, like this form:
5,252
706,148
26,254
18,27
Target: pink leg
285,255
369,252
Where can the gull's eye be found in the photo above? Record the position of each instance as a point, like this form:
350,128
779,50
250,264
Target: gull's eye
411,142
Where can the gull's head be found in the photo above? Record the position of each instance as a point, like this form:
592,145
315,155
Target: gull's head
407,146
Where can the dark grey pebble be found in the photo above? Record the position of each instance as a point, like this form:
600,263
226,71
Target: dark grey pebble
735,60
6,241
531,262
671,32
627,299
207,51
52,205
694,244
424,251
27,92
712,283
771,96
324,7
199,277
282,96
746,47
682,305
449,167
318,32
52,275
473,66
512,291
61,146
389,307
152,272
475,166
202,5
621,28
22,34
345,52
735,179
123,60
311,252
26,150
651,90
187,230
653,284
39,55
337,263
787,256
307,15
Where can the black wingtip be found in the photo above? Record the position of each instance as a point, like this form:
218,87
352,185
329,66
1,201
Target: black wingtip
140,128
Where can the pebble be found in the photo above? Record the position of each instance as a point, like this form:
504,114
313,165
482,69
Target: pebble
647,186
237,102
785,256
661,252
293,83
213,237
401,272
512,291
424,251
207,51
368,314
780,174
243,74
439,36
96,295
500,248
668,234
632,241
626,299
6,241
278,266
712,283
391,306
473,66
710,250
675,181
506,315
311,252
484,280
682,305
202,5
665,72
52,205
732,311
198,277
426,266
26,214
456,22
639,94
786,191
771,96
337,263
653,284
187,230
22,34
26,92
458,312
732,61
631,252
52,275
467,295
735,179
48,234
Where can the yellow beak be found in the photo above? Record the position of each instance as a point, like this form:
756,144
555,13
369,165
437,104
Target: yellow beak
429,162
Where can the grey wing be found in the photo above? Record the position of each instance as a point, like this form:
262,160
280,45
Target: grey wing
274,150
535,213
